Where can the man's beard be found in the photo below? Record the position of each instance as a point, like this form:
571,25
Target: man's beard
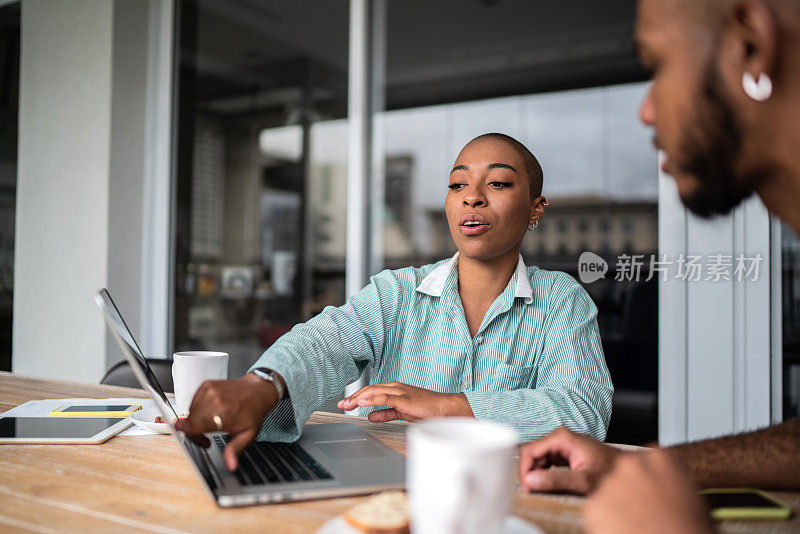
710,149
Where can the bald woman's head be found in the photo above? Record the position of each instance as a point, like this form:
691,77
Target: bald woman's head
532,167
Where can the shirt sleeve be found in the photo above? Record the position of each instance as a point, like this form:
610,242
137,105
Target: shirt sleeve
318,358
572,387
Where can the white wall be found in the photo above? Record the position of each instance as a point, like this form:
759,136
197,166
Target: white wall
79,185
714,336
126,165
62,188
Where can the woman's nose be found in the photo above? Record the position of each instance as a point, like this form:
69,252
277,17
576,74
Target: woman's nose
474,198
473,202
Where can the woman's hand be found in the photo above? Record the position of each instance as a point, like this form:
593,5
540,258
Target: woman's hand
408,403
241,406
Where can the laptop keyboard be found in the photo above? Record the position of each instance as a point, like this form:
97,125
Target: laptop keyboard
268,463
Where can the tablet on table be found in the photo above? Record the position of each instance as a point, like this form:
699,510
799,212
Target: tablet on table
78,430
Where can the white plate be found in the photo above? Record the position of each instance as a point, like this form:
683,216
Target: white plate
146,419
512,525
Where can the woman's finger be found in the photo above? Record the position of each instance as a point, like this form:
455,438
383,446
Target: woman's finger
236,445
381,399
199,439
199,421
365,392
382,416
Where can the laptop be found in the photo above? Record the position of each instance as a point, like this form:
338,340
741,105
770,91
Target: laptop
329,460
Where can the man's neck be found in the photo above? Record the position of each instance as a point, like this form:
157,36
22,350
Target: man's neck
781,196
781,193
485,280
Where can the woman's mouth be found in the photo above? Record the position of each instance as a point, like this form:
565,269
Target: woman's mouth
473,225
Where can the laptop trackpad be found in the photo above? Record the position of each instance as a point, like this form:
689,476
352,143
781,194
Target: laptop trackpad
349,449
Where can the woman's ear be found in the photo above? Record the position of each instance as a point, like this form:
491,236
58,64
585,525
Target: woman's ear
537,209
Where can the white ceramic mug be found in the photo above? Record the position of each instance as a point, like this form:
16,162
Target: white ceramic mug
192,368
458,474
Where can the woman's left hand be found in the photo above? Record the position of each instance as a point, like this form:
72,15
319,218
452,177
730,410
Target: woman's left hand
408,403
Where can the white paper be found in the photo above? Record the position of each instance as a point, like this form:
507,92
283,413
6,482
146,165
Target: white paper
43,407
134,430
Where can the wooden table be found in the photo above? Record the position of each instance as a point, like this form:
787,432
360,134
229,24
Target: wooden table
144,484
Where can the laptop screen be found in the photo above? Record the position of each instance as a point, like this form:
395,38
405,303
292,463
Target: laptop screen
131,348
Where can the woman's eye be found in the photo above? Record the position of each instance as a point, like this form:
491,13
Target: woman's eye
455,187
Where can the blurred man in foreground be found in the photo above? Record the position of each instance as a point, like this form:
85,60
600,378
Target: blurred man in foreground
725,106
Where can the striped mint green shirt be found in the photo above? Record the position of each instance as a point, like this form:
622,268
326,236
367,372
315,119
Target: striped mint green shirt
536,362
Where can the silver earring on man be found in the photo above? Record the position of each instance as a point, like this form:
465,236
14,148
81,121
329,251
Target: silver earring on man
759,90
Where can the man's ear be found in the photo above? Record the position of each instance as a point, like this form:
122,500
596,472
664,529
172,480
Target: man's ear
751,38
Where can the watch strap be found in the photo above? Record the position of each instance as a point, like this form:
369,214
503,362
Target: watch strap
270,376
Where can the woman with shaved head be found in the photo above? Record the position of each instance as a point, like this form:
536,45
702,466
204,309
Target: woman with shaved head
725,106
477,335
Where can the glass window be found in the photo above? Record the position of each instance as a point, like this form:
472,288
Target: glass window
790,285
261,166
488,73
9,106
627,225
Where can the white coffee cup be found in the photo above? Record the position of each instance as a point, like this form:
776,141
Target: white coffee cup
192,368
458,474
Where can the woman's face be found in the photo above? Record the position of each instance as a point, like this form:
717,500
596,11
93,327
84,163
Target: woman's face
488,205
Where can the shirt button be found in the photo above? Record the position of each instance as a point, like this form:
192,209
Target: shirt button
465,384
479,340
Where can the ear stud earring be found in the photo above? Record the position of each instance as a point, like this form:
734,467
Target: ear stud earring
759,90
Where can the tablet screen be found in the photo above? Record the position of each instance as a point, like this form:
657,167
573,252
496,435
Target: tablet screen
738,500
54,427
98,408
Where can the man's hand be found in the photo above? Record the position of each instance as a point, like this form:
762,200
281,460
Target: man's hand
241,404
588,461
646,493
406,402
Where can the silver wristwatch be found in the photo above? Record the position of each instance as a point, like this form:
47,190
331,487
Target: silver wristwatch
270,376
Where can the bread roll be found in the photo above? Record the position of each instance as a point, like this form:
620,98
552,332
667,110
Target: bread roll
383,513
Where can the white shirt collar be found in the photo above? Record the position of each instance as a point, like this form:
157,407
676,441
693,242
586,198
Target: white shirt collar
433,284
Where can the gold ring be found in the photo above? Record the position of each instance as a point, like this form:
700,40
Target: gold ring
218,421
